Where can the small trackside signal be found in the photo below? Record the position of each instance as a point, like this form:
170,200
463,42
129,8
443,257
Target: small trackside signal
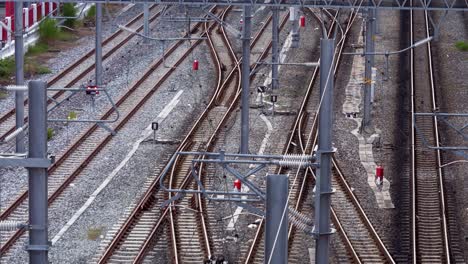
237,185
92,90
302,21
379,174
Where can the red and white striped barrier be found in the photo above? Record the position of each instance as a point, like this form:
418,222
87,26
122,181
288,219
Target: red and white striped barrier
31,16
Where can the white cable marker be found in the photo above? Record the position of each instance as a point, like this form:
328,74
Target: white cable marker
239,209
146,133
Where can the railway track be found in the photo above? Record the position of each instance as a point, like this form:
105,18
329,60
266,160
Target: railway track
93,140
75,74
429,223
360,241
187,228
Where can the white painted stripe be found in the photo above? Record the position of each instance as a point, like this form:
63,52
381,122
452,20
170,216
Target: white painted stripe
239,209
146,133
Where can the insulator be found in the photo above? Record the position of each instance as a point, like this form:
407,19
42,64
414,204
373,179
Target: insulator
297,157
11,225
300,225
301,216
295,164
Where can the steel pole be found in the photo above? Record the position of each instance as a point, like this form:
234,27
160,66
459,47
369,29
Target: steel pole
244,148
38,237
276,230
146,21
294,18
322,228
368,66
19,74
98,44
274,48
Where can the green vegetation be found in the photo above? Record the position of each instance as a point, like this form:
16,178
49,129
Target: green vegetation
69,10
37,48
7,67
91,14
48,31
50,133
3,95
72,115
462,45
94,233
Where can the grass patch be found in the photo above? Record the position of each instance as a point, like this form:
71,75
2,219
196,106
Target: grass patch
3,95
32,67
37,48
48,31
50,133
91,14
94,233
72,115
7,68
69,10
462,45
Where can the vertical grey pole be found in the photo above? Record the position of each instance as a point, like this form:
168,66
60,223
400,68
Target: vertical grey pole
19,62
294,18
322,228
368,66
276,202
98,44
146,21
244,148
274,49
38,239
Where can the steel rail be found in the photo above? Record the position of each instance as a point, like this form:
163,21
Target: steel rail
304,186
229,111
287,149
103,143
146,198
63,74
299,125
143,203
418,231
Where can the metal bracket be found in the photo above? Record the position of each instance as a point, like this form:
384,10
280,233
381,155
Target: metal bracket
25,162
37,247
251,209
317,234
326,151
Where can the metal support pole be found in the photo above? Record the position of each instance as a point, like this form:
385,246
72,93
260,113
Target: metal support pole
368,67
276,232
244,148
98,44
322,228
38,237
274,49
146,21
19,62
294,18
